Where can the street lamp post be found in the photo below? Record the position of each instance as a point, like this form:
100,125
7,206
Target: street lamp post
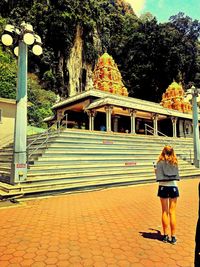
25,36
193,91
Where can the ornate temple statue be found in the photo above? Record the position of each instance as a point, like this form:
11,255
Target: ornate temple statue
173,98
107,77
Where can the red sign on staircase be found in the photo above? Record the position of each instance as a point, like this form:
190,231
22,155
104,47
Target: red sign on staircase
130,163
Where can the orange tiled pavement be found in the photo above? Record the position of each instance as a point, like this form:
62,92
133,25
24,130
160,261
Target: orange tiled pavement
112,227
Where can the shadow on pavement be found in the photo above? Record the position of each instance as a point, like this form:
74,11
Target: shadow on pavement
153,234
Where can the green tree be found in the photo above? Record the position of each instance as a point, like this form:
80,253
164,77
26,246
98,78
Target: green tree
8,73
40,100
197,76
149,54
187,27
189,33
8,69
147,17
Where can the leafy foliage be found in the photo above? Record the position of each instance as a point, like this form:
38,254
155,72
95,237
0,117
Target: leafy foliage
41,102
8,70
149,54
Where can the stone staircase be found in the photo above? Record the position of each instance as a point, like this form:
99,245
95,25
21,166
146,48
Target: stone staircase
75,159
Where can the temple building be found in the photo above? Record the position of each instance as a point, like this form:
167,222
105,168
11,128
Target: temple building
110,143
106,106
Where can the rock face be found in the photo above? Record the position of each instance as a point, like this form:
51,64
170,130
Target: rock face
107,76
75,64
80,73
173,98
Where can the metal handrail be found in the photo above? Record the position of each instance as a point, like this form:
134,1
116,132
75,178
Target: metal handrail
48,135
29,154
152,130
171,141
56,124
40,135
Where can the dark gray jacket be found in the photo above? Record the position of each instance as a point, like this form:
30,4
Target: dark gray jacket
166,172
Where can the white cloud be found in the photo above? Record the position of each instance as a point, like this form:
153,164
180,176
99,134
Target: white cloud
137,5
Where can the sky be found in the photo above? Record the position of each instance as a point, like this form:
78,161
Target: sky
163,9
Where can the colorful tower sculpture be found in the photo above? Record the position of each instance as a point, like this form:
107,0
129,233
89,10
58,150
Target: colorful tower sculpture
173,98
107,77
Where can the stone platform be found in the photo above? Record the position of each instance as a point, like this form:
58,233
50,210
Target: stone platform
119,227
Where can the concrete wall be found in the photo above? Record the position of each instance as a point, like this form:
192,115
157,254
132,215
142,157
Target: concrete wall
7,119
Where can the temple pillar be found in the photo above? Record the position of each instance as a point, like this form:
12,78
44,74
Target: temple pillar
91,115
132,113
108,110
188,129
174,120
181,128
155,123
115,123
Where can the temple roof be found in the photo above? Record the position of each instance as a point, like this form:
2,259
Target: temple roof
136,106
106,98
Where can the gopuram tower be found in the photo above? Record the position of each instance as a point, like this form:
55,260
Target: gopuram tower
107,77
174,98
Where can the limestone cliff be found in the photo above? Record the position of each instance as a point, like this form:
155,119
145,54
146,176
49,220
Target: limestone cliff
80,72
75,64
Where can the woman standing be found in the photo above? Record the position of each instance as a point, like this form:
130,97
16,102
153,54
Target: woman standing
167,175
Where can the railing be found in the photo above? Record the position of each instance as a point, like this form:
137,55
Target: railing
47,134
150,129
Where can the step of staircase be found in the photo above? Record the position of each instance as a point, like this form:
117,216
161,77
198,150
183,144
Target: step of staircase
75,159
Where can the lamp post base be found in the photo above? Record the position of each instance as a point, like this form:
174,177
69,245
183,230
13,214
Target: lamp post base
18,173
197,163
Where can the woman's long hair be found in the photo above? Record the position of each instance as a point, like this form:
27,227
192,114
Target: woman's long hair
168,155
